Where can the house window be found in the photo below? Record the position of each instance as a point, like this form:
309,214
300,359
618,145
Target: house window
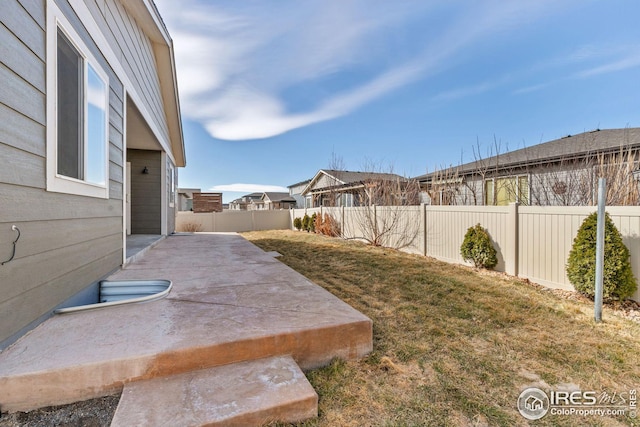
502,191
488,192
77,113
171,186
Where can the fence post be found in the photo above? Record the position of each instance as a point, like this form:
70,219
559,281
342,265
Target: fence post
342,223
423,220
375,222
511,251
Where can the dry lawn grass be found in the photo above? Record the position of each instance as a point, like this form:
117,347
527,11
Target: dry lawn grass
453,346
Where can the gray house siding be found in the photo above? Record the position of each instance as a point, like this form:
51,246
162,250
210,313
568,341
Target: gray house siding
67,242
137,53
146,191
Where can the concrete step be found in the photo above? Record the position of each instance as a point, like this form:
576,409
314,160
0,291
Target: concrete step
243,394
231,302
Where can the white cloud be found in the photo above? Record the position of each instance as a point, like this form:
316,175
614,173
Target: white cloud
249,188
234,65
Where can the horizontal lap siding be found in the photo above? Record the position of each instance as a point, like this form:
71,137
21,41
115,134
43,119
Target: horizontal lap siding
67,242
138,58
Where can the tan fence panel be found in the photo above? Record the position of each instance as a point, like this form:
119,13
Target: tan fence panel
531,242
234,221
189,221
546,236
271,220
627,219
354,222
447,225
402,227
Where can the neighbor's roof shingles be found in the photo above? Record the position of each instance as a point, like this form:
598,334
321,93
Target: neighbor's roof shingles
567,148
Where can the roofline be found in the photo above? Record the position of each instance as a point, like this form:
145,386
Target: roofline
352,185
533,162
306,181
148,18
316,177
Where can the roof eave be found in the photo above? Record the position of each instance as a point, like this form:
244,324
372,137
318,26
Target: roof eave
148,18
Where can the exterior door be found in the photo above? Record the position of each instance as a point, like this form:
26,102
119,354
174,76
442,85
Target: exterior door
128,199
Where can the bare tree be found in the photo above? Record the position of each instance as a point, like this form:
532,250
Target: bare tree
573,182
569,180
454,186
383,217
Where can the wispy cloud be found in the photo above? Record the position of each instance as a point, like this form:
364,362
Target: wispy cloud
466,91
236,65
630,60
249,188
609,59
532,88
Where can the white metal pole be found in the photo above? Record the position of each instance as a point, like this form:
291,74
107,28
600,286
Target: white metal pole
602,183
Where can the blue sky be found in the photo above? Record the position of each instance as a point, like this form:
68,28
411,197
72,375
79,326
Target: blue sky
269,90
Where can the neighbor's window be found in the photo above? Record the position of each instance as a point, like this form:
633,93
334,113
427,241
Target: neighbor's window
77,113
502,191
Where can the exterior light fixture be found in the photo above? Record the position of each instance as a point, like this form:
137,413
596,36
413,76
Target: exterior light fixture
145,170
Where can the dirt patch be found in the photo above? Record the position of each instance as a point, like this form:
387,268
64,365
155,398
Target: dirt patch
89,413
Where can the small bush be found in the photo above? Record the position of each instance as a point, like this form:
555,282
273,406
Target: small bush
327,226
618,280
317,223
306,223
190,227
312,223
297,223
477,247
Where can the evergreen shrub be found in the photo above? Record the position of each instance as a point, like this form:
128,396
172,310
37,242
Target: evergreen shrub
618,280
477,247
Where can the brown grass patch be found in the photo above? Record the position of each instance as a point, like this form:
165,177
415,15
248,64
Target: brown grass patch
451,346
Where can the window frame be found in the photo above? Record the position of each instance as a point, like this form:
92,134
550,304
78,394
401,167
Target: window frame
494,188
56,182
171,184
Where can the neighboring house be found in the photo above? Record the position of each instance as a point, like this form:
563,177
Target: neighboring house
207,202
90,139
346,188
559,172
246,202
295,191
185,198
278,200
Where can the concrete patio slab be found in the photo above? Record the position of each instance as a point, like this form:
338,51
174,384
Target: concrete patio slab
230,302
251,393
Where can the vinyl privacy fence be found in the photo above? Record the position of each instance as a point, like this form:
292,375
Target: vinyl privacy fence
531,242
233,221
